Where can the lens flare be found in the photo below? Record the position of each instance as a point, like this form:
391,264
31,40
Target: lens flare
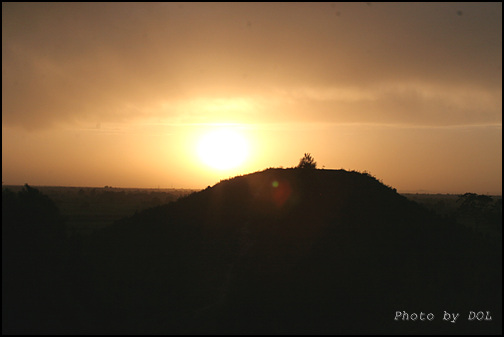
281,193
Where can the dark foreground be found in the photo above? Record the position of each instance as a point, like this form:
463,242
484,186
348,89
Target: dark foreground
279,251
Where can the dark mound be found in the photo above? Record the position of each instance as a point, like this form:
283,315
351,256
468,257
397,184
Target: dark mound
292,251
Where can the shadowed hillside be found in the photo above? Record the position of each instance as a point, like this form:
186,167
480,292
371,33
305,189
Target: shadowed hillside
294,251
285,251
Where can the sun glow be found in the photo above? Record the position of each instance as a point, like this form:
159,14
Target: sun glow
223,149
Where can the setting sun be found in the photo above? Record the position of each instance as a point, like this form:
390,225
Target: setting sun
223,149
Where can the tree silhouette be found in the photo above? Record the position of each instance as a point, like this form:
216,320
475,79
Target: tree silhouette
307,162
481,209
39,267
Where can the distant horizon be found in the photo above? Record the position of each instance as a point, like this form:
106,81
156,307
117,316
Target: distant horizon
200,189
164,187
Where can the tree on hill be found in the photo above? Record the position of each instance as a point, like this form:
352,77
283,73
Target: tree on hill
307,162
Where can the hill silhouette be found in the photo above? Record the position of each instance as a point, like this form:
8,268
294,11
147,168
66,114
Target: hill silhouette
293,251
281,251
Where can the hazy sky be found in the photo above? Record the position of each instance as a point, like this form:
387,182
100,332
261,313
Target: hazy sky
121,94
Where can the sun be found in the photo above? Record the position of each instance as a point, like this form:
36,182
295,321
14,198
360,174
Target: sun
223,149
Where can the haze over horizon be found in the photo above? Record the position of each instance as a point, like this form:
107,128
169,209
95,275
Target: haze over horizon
185,94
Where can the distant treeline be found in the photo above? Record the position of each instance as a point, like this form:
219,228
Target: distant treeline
86,209
482,213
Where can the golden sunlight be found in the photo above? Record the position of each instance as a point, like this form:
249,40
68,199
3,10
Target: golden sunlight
223,149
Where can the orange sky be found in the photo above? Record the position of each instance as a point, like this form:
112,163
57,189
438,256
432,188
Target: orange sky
122,94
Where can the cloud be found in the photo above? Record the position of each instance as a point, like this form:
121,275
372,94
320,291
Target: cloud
392,103
404,63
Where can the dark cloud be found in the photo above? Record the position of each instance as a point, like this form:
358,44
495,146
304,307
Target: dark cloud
65,62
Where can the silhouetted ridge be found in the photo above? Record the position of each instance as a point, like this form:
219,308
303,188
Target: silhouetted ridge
287,192
292,251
